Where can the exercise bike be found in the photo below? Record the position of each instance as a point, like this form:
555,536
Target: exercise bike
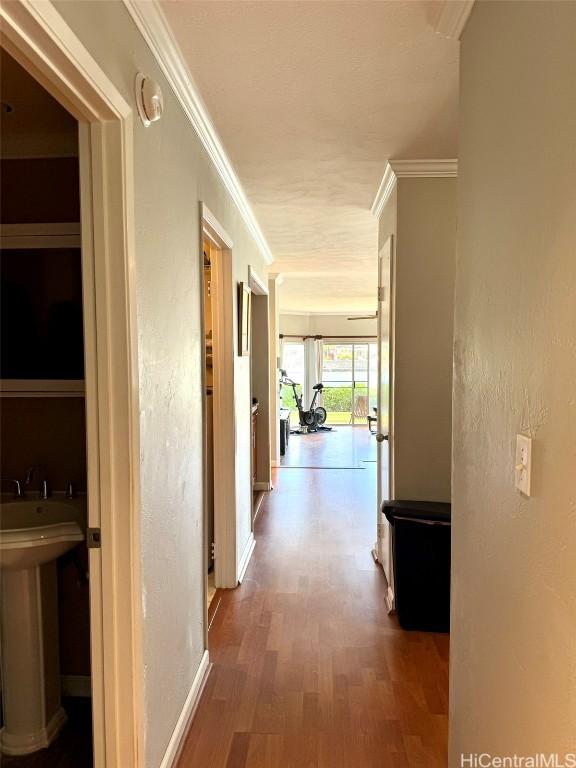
314,418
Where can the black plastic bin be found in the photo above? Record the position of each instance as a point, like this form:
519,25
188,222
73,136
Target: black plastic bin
421,546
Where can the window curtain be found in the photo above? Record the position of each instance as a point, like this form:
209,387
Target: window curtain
313,365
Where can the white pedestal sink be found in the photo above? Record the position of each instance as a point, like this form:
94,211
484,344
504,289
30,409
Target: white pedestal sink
33,534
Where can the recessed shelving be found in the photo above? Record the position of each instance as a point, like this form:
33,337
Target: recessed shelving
42,387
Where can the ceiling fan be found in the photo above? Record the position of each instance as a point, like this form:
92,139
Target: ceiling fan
364,317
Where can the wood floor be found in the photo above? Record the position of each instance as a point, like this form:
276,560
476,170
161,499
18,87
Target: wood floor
344,448
309,670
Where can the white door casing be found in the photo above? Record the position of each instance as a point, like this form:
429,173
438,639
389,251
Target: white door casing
226,564
385,423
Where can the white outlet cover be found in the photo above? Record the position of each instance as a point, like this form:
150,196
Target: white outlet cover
523,464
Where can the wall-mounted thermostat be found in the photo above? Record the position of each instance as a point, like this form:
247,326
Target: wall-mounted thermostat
149,99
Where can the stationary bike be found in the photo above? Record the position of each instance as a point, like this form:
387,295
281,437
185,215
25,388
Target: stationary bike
314,418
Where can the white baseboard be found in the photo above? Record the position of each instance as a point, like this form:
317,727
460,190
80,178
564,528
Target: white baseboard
262,486
178,734
245,559
389,597
76,686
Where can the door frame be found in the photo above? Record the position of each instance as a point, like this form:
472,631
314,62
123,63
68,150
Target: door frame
37,36
259,288
224,415
383,548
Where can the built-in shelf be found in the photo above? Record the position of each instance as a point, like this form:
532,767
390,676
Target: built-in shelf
50,235
42,387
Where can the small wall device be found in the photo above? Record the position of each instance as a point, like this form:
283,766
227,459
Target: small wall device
149,99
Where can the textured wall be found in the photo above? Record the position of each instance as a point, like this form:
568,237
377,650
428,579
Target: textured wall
424,288
172,173
513,649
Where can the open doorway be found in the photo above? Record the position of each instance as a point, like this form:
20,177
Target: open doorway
209,287
47,50
46,593
219,446
260,391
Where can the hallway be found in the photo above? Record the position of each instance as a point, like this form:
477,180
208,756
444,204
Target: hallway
309,671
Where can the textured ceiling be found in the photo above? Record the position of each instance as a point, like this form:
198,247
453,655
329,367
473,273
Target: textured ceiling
311,99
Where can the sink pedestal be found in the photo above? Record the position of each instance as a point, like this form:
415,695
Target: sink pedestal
33,714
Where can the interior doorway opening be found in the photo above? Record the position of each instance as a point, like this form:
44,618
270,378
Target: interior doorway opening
46,666
260,391
209,286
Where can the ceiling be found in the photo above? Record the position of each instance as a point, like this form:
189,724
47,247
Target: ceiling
311,99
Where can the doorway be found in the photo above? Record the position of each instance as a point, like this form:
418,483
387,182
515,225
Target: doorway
46,712
385,412
259,391
40,41
219,447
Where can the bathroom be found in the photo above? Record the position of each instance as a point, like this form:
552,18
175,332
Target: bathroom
46,715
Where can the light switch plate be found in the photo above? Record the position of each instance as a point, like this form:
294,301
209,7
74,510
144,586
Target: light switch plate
523,464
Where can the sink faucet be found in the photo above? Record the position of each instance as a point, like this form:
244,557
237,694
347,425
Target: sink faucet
43,488
17,486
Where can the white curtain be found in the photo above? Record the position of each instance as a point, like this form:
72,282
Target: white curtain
313,368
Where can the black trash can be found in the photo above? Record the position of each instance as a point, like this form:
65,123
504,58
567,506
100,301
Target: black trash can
421,547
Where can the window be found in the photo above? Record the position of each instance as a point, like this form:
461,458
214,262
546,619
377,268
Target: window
293,364
349,374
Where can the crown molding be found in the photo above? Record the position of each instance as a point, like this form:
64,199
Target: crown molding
276,277
452,18
410,169
384,191
152,24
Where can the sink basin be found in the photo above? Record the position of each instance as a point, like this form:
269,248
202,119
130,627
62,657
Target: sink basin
33,534
35,531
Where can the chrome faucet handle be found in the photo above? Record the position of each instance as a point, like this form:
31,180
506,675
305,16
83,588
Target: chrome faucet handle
43,491
18,487
30,473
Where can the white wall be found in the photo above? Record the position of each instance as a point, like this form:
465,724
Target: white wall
326,325
513,646
172,173
425,266
421,214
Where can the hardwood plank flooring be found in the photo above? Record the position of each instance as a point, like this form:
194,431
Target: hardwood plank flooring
346,447
309,670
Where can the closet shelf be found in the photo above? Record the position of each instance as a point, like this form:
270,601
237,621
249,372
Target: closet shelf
42,387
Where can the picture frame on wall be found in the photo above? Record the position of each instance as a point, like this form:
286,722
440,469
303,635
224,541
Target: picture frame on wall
244,314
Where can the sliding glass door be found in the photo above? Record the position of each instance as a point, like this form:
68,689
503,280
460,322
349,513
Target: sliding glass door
349,378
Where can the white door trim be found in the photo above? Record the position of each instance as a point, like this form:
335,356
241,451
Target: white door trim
39,38
383,532
224,416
